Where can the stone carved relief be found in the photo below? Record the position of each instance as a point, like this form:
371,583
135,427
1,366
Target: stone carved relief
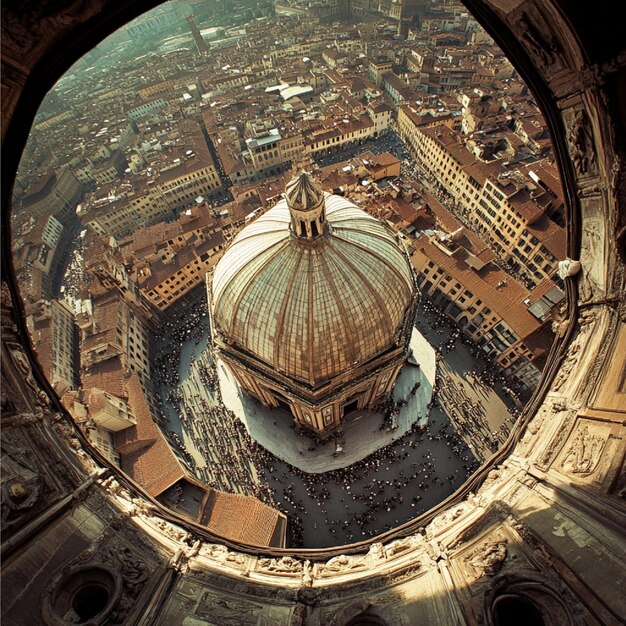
557,440
136,506
548,409
21,404
343,564
573,354
65,428
591,250
400,546
222,611
214,552
489,558
497,510
223,556
23,366
443,521
539,40
134,574
580,143
409,572
170,530
21,483
584,452
539,551
284,565
377,552
128,568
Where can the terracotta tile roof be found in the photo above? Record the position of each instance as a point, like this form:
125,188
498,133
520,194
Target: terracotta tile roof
152,235
153,465
147,458
445,220
240,518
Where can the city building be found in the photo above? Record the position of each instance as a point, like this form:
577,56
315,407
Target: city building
508,206
54,193
312,307
55,337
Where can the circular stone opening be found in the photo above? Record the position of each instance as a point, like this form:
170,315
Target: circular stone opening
366,620
515,611
90,600
84,595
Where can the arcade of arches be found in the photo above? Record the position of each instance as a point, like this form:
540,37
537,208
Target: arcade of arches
535,537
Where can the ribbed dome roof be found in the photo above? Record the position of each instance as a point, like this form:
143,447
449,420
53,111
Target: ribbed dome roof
312,310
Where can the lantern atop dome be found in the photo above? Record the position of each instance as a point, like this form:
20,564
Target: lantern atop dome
306,202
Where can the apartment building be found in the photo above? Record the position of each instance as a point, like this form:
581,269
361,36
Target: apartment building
175,178
55,193
112,329
119,216
508,207
55,339
510,323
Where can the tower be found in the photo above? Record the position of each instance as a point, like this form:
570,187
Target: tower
201,45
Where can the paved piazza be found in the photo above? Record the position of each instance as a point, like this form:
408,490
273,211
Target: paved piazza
364,432
466,423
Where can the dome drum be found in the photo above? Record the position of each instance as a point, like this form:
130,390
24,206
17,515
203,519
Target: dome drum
309,318
323,408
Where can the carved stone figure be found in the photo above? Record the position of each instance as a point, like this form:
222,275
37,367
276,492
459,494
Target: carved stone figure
285,564
590,251
21,486
568,268
543,46
489,558
584,452
228,611
134,573
23,366
443,520
215,552
400,545
307,574
170,530
235,557
343,563
580,142
377,552
568,366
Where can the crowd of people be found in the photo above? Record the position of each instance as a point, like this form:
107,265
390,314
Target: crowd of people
387,488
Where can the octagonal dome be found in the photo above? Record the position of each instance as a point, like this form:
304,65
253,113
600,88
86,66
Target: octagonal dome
313,309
